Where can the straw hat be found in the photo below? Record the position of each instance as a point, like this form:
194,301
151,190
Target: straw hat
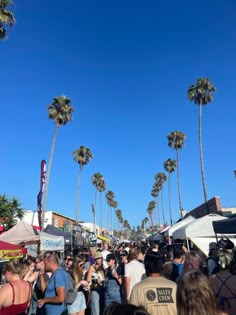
98,255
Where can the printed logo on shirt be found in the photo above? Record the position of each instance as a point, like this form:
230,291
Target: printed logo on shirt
164,295
151,295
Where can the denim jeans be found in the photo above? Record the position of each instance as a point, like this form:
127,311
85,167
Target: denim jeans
97,301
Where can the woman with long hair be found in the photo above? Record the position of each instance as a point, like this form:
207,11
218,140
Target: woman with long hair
15,296
95,278
194,295
77,273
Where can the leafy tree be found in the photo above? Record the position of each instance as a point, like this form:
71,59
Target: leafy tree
109,198
6,18
82,156
176,141
170,166
201,94
10,211
60,111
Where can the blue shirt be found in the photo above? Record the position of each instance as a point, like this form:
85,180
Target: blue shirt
58,279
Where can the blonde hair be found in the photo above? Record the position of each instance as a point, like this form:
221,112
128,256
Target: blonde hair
77,271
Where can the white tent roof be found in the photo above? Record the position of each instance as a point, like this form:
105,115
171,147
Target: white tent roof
22,232
180,224
201,227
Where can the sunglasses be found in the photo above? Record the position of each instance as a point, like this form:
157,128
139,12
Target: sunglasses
81,265
123,255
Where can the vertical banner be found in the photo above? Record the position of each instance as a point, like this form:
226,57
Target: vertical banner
40,194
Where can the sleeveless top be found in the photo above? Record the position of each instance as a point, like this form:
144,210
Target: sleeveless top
15,309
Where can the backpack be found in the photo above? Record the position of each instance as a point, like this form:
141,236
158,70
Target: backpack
72,292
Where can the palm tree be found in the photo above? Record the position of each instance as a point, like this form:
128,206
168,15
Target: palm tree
60,111
109,198
114,205
100,185
82,156
170,166
155,192
150,208
6,18
201,94
160,179
176,141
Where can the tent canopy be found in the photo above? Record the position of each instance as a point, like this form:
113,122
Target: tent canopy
21,233
10,251
201,227
180,224
227,226
51,229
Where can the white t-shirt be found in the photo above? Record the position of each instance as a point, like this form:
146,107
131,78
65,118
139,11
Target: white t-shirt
135,271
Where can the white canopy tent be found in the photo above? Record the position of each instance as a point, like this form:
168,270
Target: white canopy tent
21,233
200,232
180,224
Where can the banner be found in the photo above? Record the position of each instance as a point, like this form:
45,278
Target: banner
11,254
51,243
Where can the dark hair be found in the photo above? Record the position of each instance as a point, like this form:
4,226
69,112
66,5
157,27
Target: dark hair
153,262
194,295
124,309
178,251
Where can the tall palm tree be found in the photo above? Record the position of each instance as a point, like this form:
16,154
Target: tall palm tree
155,192
170,166
201,94
176,141
114,205
100,185
82,156
109,198
6,18
160,180
150,208
60,111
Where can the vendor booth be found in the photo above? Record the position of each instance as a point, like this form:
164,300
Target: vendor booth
200,232
10,251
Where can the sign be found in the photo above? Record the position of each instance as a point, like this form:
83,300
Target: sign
51,243
11,254
32,250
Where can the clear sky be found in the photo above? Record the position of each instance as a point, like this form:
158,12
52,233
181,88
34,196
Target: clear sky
127,66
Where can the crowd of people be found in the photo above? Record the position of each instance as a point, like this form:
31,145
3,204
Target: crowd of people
127,279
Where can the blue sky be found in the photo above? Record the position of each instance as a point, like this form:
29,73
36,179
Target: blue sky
127,66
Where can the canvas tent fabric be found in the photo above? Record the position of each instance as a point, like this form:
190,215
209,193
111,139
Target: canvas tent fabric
180,224
21,233
49,242
10,251
201,227
51,229
227,226
200,232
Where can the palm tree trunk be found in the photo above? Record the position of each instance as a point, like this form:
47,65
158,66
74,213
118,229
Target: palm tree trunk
101,213
94,217
163,211
201,154
179,191
169,199
48,174
158,212
77,195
